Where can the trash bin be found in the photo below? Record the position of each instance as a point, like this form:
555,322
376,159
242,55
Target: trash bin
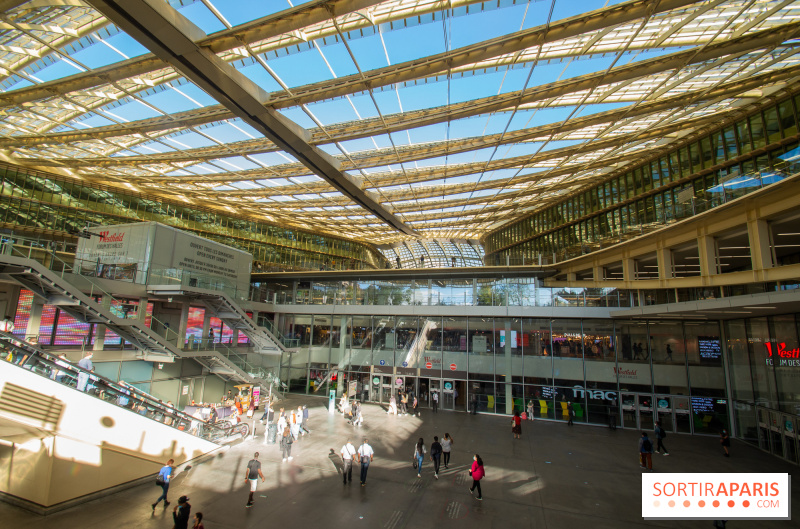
272,433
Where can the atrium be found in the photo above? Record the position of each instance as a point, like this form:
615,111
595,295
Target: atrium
554,207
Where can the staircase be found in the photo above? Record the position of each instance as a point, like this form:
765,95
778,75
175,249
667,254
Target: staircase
57,289
227,310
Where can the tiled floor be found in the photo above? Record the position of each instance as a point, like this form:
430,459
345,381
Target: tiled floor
554,477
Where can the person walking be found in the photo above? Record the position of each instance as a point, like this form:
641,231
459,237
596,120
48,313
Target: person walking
660,435
300,426
180,513
530,410
252,474
294,426
419,456
366,455
436,456
198,521
477,472
286,443
570,413
404,403
645,452
86,364
516,425
473,404
725,441
415,406
305,420
358,416
348,453
435,401
162,480
447,446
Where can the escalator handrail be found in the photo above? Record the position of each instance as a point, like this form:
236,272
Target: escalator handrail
135,395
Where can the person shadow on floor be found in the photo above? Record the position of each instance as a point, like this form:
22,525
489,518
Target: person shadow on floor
336,460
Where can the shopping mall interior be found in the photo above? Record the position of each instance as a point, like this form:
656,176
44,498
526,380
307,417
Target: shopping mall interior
583,212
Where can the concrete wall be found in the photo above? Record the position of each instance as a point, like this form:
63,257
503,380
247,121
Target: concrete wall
90,446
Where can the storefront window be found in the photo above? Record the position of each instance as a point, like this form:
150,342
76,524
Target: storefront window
633,362
704,352
786,362
568,352
762,373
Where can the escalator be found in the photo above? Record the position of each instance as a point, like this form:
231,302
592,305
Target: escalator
59,289
67,434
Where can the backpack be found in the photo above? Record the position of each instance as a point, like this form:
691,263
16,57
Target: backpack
647,446
662,433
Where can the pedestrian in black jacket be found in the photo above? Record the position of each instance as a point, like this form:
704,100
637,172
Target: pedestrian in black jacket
436,455
180,514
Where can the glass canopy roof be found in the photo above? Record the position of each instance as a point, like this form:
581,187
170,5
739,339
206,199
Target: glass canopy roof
457,116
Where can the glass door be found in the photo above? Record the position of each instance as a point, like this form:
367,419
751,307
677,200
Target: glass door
448,401
435,387
646,419
683,417
664,413
386,388
763,429
424,393
629,412
789,423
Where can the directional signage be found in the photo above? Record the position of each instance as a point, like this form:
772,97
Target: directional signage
382,362
428,365
453,367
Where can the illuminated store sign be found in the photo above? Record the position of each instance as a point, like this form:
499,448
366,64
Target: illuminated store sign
786,357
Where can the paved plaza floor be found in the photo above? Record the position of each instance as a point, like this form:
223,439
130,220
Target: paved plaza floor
556,476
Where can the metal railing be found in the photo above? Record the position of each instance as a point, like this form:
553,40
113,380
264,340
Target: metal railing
45,254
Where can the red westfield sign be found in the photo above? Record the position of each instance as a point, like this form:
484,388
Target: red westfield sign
105,237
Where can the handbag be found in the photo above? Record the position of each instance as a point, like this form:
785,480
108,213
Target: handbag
159,480
415,463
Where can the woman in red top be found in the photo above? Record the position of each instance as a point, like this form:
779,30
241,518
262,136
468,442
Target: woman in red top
516,426
477,474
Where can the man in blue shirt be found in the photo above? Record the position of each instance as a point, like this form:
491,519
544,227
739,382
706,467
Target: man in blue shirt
162,479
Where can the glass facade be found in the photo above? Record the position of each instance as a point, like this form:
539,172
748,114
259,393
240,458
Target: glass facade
634,372
32,201
681,183
765,382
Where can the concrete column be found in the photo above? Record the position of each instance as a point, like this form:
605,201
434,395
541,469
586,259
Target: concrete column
206,328
183,323
597,273
628,269
100,330
35,318
664,258
760,247
707,249
507,360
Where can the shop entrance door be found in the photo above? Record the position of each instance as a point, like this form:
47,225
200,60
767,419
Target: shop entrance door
424,393
777,433
435,387
637,411
386,388
448,401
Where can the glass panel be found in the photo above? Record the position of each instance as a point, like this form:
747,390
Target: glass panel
704,352
567,353
669,358
633,367
786,355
